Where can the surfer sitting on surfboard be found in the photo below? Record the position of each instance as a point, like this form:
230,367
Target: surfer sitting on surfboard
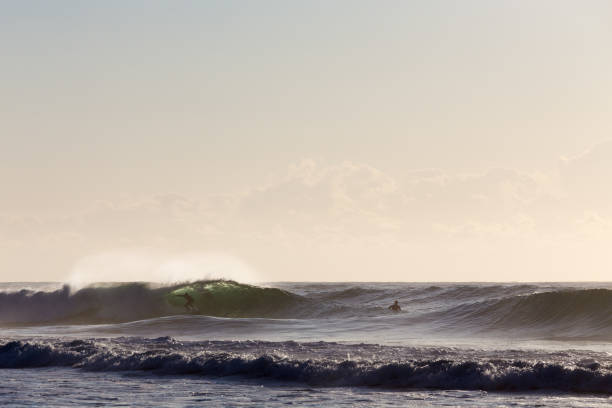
395,307
189,302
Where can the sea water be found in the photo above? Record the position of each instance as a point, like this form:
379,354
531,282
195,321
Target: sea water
307,344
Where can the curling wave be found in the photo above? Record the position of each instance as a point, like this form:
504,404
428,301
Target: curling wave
115,303
525,311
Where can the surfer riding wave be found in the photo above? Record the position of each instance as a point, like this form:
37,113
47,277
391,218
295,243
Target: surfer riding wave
189,305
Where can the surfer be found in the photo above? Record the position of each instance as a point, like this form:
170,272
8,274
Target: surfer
395,307
189,302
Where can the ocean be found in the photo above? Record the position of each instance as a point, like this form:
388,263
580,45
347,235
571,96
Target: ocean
224,343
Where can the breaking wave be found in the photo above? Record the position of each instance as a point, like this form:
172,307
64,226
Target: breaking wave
115,303
167,356
530,311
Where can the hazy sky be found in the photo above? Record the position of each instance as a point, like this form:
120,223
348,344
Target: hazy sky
311,140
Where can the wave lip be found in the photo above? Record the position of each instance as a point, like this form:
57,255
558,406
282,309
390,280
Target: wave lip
170,357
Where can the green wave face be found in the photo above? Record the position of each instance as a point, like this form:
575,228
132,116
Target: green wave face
231,299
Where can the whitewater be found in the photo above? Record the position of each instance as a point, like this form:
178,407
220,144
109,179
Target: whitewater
310,344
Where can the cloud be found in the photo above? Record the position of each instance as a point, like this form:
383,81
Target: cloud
343,219
587,178
311,200
344,198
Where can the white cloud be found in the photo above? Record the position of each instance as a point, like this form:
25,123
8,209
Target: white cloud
343,220
587,178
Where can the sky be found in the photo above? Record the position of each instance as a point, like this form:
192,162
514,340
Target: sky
305,140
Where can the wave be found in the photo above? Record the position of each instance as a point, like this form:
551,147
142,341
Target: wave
526,311
115,303
421,294
169,357
568,313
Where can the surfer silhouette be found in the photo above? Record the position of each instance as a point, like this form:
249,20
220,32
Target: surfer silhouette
395,307
189,302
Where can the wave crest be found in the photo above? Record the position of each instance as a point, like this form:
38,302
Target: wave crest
525,311
490,375
115,303
563,314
